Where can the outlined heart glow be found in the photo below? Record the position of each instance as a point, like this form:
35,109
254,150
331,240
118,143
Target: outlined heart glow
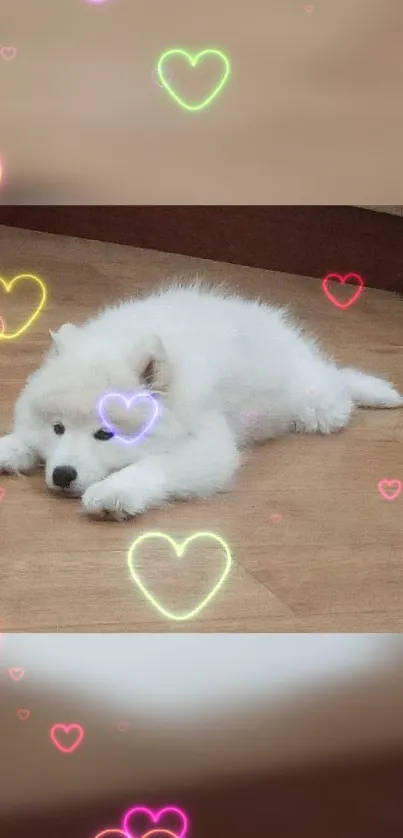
179,550
112,832
155,816
8,53
23,714
343,280
57,728
382,487
194,59
128,401
16,673
9,287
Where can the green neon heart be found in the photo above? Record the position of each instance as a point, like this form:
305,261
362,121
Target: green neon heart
193,60
179,550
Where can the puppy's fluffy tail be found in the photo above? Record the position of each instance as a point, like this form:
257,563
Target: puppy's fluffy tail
370,391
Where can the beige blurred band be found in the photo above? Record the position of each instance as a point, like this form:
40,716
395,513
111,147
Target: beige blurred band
311,111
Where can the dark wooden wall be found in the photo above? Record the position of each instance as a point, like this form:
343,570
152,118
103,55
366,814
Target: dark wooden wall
311,241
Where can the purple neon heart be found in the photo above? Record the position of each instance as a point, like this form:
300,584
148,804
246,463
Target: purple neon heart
128,402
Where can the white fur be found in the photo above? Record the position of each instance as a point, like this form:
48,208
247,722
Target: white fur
216,360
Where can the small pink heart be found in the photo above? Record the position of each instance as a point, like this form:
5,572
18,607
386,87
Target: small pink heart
383,486
23,714
16,673
67,730
8,53
308,9
123,726
343,280
276,518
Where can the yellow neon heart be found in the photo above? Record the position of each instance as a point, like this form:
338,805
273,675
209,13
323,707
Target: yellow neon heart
8,287
194,60
179,550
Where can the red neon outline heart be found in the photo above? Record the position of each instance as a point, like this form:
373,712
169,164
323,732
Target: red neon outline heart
343,280
66,729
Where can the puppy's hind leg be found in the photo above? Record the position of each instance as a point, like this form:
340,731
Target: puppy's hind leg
324,417
326,407
16,455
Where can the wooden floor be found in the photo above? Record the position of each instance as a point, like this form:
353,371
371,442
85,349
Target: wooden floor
315,546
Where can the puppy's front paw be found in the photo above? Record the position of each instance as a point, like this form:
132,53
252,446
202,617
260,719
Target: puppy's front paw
15,456
109,499
126,493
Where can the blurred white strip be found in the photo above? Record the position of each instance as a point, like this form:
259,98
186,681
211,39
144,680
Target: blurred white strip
173,674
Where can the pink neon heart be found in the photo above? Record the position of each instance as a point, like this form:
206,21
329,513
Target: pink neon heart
343,280
16,673
23,714
383,484
66,729
128,402
111,832
159,832
8,53
155,817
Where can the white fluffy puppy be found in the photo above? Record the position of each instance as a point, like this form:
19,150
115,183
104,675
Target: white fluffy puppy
213,360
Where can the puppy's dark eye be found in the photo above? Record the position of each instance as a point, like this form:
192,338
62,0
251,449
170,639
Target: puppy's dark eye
103,434
59,429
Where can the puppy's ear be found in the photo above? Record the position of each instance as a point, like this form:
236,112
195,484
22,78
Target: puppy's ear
62,337
154,368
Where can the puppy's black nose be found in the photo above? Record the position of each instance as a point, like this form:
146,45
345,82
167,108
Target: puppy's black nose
63,475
